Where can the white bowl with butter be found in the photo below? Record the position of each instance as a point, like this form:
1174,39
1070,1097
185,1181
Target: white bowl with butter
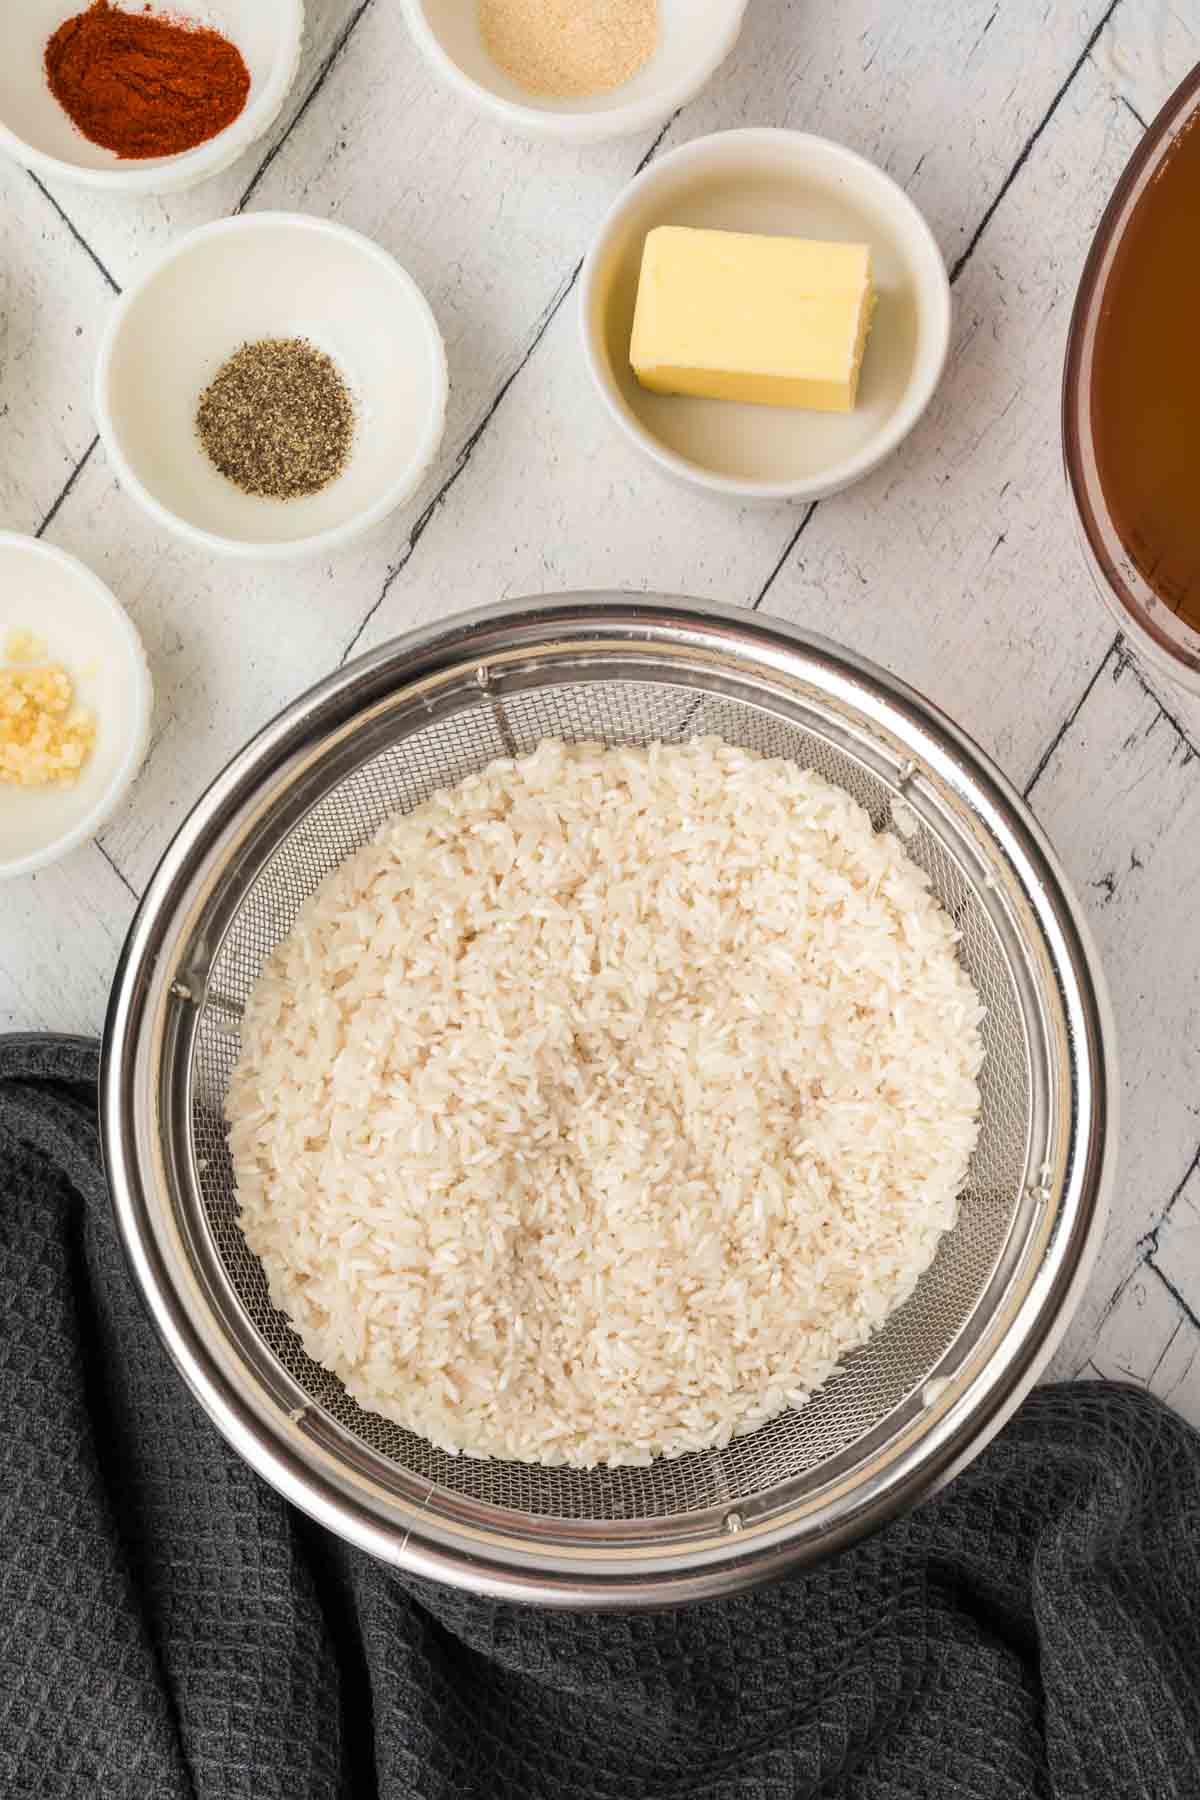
764,184
54,611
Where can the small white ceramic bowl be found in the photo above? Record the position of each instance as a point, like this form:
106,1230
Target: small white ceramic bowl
65,607
270,275
786,183
35,129
695,37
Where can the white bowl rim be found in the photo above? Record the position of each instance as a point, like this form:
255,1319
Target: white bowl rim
917,395
106,803
621,119
165,175
335,535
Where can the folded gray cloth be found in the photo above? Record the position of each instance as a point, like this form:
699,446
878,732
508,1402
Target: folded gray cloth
169,1627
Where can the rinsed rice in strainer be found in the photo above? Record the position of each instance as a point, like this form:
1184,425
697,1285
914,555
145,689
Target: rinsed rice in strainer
599,1107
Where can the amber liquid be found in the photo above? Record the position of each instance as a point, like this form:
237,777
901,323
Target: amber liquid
1146,382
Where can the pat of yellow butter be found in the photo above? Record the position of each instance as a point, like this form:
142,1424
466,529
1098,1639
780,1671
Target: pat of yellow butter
773,320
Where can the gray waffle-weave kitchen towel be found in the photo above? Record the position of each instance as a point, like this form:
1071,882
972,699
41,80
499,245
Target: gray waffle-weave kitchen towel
168,1627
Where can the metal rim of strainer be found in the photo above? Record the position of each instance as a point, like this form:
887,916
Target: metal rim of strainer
428,1532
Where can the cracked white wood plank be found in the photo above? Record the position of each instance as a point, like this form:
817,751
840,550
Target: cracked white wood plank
1147,1338
957,565
60,934
52,300
1176,1252
1121,799
1145,50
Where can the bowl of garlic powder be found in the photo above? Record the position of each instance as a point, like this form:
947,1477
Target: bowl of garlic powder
75,704
580,70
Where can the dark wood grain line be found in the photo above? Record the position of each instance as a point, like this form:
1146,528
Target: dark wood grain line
65,489
1047,756
116,868
74,230
322,76
1032,141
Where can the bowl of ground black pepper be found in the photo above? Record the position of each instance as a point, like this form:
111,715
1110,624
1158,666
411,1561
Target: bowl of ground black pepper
580,70
143,98
273,387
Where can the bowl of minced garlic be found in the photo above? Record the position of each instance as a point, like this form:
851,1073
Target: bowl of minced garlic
580,70
75,700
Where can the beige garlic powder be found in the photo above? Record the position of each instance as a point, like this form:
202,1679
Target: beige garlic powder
569,48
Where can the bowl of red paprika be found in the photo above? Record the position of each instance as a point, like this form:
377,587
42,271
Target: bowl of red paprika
143,100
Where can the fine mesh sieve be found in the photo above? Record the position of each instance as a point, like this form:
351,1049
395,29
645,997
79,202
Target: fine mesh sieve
904,1411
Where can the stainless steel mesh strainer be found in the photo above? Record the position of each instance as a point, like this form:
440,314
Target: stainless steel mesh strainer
906,1411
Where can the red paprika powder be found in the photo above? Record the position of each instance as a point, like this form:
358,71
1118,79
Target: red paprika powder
144,84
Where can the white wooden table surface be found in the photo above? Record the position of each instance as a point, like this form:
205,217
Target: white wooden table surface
956,565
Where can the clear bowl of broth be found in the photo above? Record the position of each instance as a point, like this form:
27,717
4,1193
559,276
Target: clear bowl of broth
1131,394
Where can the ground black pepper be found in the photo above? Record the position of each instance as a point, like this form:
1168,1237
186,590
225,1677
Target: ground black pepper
278,419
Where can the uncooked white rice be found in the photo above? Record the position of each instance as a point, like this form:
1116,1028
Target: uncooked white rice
599,1107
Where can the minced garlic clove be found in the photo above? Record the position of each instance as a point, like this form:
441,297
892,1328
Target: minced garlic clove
23,647
45,738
